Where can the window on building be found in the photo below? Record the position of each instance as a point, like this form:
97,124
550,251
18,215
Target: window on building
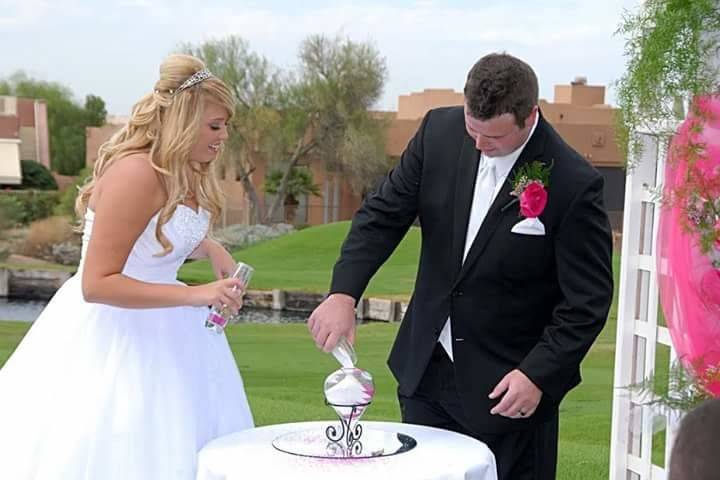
598,139
8,106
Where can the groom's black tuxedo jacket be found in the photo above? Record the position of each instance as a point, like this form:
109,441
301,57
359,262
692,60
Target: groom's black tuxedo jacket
518,301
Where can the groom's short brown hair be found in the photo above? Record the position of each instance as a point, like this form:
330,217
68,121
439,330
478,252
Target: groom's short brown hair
500,83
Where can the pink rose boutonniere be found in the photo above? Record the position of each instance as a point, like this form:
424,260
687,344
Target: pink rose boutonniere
533,200
530,187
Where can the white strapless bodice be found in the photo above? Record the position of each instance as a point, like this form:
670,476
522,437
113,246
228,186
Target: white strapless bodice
185,230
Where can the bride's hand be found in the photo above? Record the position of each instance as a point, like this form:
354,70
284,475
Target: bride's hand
228,292
222,262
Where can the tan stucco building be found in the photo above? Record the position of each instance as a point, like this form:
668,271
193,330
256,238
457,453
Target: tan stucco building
577,112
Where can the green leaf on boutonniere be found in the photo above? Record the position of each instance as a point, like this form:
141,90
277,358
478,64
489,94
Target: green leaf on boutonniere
535,171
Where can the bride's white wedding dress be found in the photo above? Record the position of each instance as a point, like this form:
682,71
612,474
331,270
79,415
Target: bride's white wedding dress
107,393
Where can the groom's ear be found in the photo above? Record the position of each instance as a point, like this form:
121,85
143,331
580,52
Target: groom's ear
535,113
530,120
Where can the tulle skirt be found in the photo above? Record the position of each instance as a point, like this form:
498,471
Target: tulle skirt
103,393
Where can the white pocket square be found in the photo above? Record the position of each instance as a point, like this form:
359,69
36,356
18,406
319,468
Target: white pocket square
529,226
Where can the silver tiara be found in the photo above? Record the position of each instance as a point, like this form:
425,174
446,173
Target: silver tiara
194,79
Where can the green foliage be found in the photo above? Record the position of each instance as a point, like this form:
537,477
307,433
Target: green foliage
696,196
327,105
685,391
319,109
339,81
362,155
299,184
38,204
66,204
66,119
11,212
68,154
36,176
533,171
257,85
34,204
95,112
668,44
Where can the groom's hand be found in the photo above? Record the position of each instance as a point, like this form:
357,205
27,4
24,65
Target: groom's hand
520,396
332,319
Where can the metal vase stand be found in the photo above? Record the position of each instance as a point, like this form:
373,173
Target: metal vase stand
347,432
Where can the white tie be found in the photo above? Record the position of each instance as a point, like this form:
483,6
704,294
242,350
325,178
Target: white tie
483,197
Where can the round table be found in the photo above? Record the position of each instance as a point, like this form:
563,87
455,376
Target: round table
438,454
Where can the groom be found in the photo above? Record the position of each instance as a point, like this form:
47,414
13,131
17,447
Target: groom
511,290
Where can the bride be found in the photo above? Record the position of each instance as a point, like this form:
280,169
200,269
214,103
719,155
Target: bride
119,378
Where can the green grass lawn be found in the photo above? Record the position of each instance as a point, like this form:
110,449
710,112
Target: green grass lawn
284,372
303,261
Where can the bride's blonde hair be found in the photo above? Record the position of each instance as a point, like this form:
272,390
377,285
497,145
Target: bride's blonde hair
165,125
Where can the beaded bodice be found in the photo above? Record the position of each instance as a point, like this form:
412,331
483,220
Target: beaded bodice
185,230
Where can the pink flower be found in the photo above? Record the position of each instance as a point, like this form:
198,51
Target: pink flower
710,286
689,132
703,103
709,107
533,200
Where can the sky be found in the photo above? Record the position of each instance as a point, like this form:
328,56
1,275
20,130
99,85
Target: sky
113,48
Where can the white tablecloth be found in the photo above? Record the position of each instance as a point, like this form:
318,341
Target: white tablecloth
439,454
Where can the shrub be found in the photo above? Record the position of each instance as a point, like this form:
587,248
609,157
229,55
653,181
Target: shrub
36,176
34,204
45,233
11,212
66,205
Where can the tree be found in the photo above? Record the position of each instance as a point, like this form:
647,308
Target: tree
95,113
339,80
256,84
66,119
363,156
284,116
668,44
300,184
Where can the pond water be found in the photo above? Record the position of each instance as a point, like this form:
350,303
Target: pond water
28,311
21,310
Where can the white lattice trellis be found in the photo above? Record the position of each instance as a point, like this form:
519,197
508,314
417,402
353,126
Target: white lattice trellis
638,333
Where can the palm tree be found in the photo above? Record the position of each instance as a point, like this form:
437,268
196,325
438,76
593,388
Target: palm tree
299,184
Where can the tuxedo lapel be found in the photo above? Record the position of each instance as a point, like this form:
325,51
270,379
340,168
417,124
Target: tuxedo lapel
532,151
464,189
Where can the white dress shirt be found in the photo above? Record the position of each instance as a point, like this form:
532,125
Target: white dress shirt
492,173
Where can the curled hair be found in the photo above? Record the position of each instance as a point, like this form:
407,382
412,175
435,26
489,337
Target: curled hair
164,125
